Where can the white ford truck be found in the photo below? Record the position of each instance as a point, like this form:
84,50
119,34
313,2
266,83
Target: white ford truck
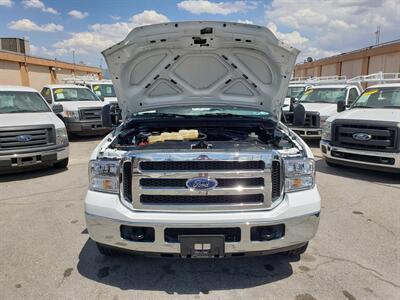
201,165
368,134
325,98
81,107
30,133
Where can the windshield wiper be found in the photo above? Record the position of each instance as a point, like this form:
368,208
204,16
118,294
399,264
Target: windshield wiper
391,106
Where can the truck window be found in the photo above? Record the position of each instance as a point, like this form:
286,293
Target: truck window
353,94
46,93
21,102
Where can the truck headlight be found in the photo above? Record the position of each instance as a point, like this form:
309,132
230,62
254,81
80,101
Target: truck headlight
104,176
299,174
327,131
61,136
71,114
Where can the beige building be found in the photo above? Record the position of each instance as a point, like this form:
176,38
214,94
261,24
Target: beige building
20,69
383,57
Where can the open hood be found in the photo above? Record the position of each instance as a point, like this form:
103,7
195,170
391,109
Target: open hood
200,63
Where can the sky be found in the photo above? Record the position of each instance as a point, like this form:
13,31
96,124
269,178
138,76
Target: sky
319,28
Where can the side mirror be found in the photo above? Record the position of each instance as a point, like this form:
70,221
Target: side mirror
58,108
111,115
292,103
299,115
341,106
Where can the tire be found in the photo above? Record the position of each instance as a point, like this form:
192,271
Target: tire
107,251
62,164
297,251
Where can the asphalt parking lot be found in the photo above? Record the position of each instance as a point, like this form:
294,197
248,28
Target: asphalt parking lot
46,254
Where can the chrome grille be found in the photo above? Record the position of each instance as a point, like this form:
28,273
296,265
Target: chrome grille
12,138
383,138
92,114
158,181
201,165
312,119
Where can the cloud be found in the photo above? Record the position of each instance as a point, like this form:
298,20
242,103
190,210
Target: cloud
102,36
6,3
43,51
293,38
28,25
115,18
40,5
244,21
76,14
332,26
198,7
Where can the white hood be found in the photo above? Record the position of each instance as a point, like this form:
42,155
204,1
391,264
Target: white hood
370,114
75,105
200,63
108,100
28,119
324,109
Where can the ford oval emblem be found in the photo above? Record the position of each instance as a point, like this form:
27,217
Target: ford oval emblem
201,184
360,136
24,138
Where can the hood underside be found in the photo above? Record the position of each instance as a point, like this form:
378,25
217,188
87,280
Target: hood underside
200,63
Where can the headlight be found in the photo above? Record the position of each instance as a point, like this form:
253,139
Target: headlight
104,176
327,131
71,114
299,174
61,136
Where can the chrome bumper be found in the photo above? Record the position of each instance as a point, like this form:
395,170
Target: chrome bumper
299,213
31,159
326,150
307,132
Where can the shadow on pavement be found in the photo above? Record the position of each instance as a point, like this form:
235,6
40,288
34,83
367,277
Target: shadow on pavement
357,173
30,173
180,276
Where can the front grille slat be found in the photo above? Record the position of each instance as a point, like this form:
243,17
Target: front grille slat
382,138
276,179
207,165
90,114
181,183
199,200
37,138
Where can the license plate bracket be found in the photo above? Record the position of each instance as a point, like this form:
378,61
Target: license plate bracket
202,246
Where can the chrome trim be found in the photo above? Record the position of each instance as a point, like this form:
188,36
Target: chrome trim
297,230
137,174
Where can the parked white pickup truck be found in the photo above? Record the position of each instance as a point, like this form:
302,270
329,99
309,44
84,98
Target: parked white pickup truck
30,132
81,107
103,89
368,134
201,165
321,101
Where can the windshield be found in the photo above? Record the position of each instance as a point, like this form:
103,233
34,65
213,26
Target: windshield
208,111
324,95
379,98
104,90
21,102
294,91
74,94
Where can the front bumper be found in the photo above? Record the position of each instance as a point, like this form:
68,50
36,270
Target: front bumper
32,158
383,161
307,132
299,212
86,127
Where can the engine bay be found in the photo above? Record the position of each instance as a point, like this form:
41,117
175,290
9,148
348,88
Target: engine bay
201,136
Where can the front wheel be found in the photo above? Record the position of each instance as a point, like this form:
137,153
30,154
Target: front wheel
297,251
62,164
